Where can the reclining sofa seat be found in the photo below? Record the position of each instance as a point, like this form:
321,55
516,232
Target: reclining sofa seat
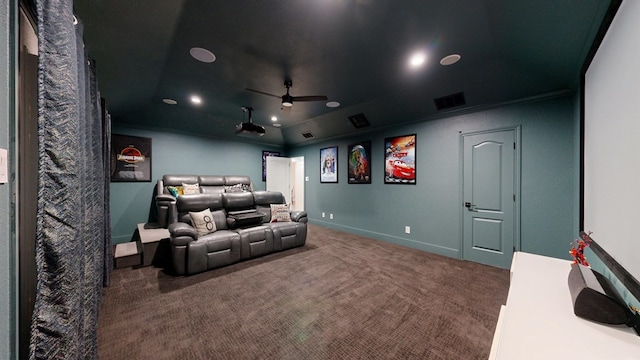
286,235
190,254
206,183
243,226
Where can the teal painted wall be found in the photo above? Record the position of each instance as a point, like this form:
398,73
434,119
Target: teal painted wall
432,207
132,203
7,217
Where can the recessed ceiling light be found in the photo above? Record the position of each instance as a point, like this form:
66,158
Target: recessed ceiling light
169,101
333,104
277,125
203,55
417,59
196,100
274,118
450,59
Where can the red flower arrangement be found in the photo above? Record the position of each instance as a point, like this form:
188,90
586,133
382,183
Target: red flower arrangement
577,248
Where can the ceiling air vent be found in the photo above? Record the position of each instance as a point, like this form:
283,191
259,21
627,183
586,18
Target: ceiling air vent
359,121
307,135
449,101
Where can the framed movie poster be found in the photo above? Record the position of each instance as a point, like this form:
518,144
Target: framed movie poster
130,158
400,160
264,162
329,165
359,167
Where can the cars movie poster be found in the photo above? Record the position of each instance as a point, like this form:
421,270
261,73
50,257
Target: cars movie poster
130,158
400,160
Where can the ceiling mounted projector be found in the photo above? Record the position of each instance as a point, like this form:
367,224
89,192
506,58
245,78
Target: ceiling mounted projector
249,128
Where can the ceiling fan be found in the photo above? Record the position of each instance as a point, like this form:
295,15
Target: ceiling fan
287,100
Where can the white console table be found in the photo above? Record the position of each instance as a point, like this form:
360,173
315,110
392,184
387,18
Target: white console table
538,321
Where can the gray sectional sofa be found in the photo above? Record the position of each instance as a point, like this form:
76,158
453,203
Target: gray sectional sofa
243,229
206,183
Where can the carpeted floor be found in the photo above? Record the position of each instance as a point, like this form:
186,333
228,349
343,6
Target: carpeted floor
341,296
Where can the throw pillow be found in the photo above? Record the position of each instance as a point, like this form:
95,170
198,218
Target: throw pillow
203,222
233,188
174,191
190,188
280,213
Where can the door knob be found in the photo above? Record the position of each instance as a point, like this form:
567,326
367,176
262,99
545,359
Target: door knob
470,206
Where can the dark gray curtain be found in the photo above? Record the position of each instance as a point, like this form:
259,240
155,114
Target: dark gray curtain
106,155
72,239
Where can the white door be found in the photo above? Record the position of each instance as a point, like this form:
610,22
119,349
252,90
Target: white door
489,178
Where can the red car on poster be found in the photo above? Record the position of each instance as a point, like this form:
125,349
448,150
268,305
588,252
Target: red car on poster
399,169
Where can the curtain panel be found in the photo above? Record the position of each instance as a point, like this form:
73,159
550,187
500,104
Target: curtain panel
72,260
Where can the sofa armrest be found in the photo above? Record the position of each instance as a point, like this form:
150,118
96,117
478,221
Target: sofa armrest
299,216
172,213
164,198
182,233
163,204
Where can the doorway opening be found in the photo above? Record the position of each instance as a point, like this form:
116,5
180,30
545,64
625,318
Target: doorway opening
286,175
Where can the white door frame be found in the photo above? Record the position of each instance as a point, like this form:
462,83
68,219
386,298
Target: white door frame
516,188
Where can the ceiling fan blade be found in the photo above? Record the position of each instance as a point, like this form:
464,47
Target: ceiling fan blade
263,93
310,98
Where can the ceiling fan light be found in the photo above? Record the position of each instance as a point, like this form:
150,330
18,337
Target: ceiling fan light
287,100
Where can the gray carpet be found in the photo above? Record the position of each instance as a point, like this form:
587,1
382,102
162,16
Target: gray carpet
341,296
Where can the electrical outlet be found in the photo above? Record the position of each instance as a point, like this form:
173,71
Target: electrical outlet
407,229
331,216
323,214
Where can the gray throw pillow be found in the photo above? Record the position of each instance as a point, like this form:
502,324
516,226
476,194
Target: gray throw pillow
203,222
280,213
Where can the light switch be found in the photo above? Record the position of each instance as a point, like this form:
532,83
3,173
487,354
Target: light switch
4,166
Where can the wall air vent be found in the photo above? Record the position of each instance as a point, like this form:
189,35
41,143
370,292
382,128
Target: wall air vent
307,135
359,121
450,101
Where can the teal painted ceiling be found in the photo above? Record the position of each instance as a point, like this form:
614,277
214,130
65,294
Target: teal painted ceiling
352,51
